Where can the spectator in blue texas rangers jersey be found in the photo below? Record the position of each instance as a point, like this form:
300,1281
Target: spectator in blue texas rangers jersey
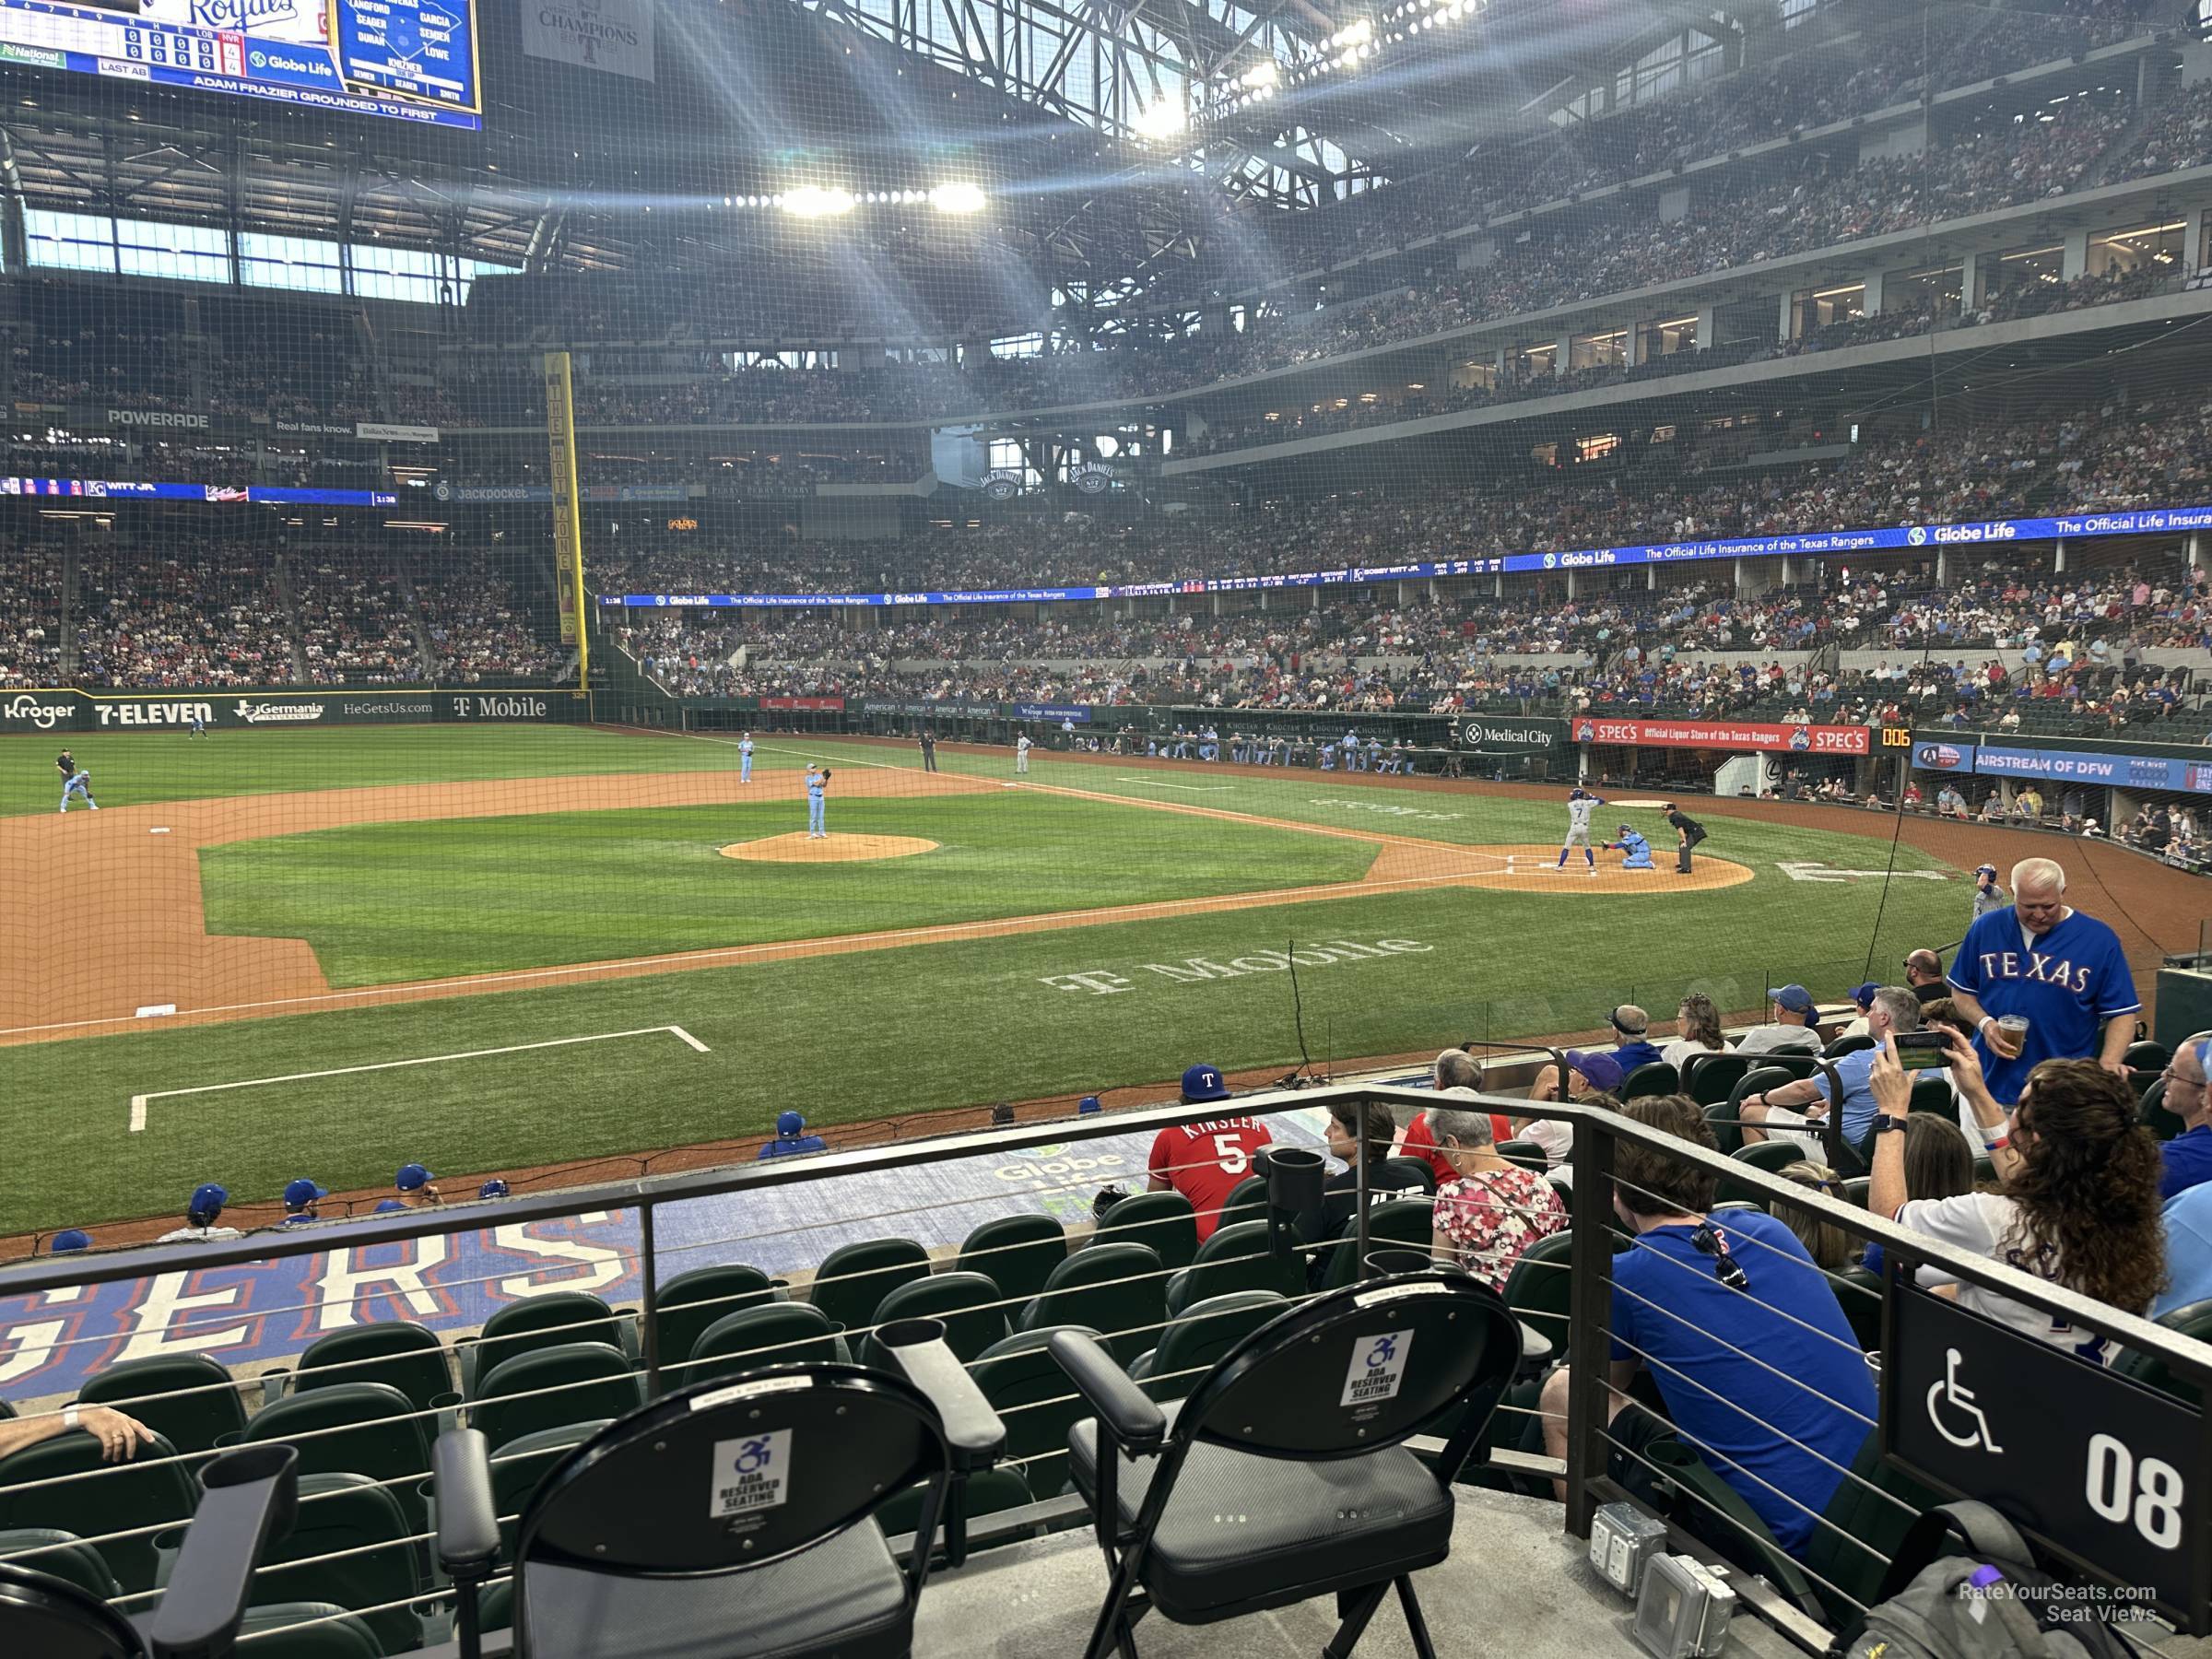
1580,804
790,1138
2045,962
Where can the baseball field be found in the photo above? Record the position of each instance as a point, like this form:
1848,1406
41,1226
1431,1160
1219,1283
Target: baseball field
326,952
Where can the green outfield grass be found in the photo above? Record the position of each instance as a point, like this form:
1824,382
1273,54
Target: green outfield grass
129,768
883,1032
384,902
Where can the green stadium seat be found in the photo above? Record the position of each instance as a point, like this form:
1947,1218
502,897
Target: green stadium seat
355,1428
1565,1189
1716,1511
1540,1289
559,1320
1398,1221
985,1492
2192,1320
1237,1258
1859,1294
1856,1187
592,1379
189,1400
406,1356
1197,1338
1773,1157
1652,1078
366,1529
63,1555
772,1334
1525,1154
1120,1291
1016,1253
1708,1077
1033,1397
2147,1056
688,1303
1413,1172
1164,1221
967,1304
306,1630
2152,1111
1855,1043
152,1491
520,1465
1247,1200
853,1277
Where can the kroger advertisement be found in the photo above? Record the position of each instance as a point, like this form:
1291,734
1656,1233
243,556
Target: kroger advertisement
2067,766
412,60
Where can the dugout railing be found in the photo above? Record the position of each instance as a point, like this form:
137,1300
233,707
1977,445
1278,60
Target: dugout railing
2109,1482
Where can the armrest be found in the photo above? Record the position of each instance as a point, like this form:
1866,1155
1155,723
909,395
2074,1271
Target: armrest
249,1498
468,1525
1121,1406
972,1429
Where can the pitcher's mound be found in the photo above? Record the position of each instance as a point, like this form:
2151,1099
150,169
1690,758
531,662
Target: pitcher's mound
835,849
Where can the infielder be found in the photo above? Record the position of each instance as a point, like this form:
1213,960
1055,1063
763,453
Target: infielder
199,725
817,785
1988,895
1021,753
1639,851
74,780
1580,804
745,758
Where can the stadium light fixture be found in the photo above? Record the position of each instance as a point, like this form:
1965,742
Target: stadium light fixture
1163,119
958,198
811,201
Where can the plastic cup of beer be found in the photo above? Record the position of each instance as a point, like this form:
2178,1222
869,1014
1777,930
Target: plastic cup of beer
2014,1031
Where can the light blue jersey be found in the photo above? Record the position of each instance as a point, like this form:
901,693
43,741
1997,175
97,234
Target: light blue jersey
817,785
745,761
78,784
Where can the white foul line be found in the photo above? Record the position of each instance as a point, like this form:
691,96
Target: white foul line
138,1103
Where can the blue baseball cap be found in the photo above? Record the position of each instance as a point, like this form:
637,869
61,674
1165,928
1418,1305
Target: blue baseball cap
1203,1082
207,1199
412,1178
67,1240
1600,1071
299,1193
386,1206
1863,995
790,1122
1795,998
1089,1104
494,1188
1986,869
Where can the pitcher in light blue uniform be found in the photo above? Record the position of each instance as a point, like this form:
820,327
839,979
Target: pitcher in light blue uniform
745,758
817,783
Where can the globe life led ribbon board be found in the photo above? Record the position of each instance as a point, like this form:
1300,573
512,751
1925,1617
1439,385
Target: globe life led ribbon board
410,60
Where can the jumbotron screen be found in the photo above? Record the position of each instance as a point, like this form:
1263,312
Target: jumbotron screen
413,59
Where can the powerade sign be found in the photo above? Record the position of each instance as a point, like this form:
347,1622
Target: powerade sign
2084,765
1817,543
1052,712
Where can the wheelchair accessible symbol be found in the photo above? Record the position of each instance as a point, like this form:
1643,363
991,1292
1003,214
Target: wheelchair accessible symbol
1951,1393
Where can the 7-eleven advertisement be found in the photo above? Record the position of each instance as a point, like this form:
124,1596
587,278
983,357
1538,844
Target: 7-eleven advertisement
1726,734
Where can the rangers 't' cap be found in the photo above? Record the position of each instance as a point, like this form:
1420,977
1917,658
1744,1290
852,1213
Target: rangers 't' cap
207,1199
790,1123
1204,1082
303,1192
412,1178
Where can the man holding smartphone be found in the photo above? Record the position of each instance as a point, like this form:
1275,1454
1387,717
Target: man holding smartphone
1797,1110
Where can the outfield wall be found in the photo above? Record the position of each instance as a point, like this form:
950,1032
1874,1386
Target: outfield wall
23,713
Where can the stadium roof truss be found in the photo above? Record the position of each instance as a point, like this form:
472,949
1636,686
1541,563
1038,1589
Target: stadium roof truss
1104,63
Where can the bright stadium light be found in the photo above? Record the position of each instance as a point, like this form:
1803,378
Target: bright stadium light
1164,120
811,201
958,198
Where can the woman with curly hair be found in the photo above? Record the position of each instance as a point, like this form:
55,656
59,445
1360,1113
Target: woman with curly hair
1697,1032
2079,1203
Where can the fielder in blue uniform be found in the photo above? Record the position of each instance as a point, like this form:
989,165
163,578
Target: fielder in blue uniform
1580,804
2061,970
745,758
75,781
818,783
1639,851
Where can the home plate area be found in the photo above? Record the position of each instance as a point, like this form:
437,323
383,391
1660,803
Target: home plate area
1535,867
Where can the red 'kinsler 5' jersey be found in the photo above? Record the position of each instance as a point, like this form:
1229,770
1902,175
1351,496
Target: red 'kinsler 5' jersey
1205,1161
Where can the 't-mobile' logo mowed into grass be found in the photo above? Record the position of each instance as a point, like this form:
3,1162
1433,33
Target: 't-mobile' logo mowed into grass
1194,970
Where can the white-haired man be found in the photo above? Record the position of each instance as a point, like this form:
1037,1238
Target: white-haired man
2044,962
1795,1111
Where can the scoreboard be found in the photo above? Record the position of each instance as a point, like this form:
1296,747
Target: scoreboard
412,60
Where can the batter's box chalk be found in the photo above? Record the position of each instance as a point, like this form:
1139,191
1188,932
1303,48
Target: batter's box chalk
157,1011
